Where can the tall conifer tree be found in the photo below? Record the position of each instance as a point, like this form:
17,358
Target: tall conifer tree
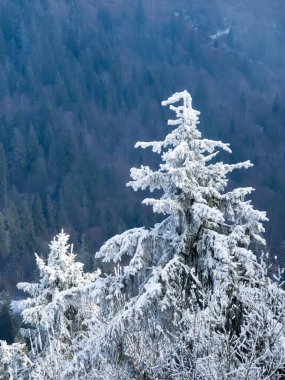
191,301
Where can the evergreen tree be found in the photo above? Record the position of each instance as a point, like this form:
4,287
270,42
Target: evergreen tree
4,238
55,311
16,238
38,216
276,105
140,14
3,177
50,214
33,146
8,324
27,227
193,292
12,357
39,170
19,149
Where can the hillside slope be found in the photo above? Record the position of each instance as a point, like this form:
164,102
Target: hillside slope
81,81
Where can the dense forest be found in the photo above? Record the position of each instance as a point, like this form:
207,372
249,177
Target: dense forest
81,81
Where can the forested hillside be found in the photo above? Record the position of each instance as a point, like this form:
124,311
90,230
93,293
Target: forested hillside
81,81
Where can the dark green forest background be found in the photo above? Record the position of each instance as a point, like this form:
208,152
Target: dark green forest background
81,81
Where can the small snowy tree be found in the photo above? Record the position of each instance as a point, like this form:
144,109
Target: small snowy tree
13,360
55,311
61,273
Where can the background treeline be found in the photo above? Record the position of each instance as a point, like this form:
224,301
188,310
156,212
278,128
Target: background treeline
81,81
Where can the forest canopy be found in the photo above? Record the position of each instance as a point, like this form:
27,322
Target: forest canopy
79,85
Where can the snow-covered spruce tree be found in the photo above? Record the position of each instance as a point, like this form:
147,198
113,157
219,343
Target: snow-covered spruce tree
193,302
55,311
13,360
